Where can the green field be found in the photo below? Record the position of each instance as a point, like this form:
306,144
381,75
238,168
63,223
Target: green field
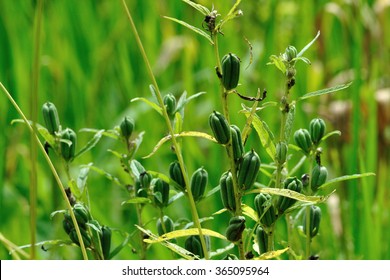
83,57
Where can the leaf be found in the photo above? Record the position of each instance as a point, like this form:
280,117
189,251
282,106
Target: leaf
57,212
184,233
173,247
41,129
182,134
47,245
175,197
178,125
183,100
199,7
124,243
278,62
112,133
83,176
325,91
193,28
290,194
335,132
264,135
345,178
305,48
109,176
91,143
289,122
271,254
137,200
74,188
153,105
137,168
249,212
221,251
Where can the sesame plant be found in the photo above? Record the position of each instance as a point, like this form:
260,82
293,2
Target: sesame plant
287,185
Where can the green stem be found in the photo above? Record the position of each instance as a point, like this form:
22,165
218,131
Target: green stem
308,192
52,168
175,144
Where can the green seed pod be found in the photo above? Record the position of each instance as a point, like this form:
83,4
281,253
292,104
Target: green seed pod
50,117
96,227
176,175
67,223
145,178
318,177
315,219
105,240
84,234
127,127
194,245
262,239
68,149
265,209
293,184
290,53
227,191
303,140
168,224
81,213
220,127
317,129
235,228
142,193
248,170
281,152
230,71
238,147
198,183
161,193
170,104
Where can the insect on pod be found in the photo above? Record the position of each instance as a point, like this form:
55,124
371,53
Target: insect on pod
198,183
230,71
227,191
50,117
220,127
249,169
235,228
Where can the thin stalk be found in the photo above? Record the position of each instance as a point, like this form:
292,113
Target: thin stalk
52,168
34,116
229,147
308,233
141,235
175,144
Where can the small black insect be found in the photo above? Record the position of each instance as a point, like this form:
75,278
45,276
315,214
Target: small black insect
210,21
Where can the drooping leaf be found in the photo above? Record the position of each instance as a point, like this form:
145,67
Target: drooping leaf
181,134
199,7
184,233
335,132
325,91
221,251
62,211
41,129
345,178
153,105
193,28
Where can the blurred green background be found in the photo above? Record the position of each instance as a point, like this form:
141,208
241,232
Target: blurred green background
90,68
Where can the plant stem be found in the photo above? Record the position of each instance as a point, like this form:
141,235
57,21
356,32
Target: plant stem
52,168
175,144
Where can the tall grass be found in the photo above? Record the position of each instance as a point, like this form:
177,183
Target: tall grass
90,68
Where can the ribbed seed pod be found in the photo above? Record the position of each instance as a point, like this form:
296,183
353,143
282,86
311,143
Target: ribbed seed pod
315,219
194,245
220,127
176,175
170,104
303,140
127,127
67,223
318,177
293,184
262,239
238,147
230,71
81,213
227,191
317,129
265,209
68,149
50,117
290,53
249,168
145,178
105,240
84,234
161,193
198,183
168,224
281,152
235,228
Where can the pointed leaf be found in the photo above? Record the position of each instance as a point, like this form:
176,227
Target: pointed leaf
325,91
289,122
290,194
83,176
184,233
249,212
91,143
199,7
137,200
153,105
112,133
193,28
345,178
305,48
109,176
74,188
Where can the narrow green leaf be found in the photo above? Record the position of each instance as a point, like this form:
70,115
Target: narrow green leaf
82,178
91,143
199,7
57,212
249,212
107,175
221,251
153,105
335,132
136,168
47,245
112,133
278,62
264,135
271,254
345,178
193,28
182,134
74,189
137,200
305,48
124,243
184,233
290,194
325,91
41,129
